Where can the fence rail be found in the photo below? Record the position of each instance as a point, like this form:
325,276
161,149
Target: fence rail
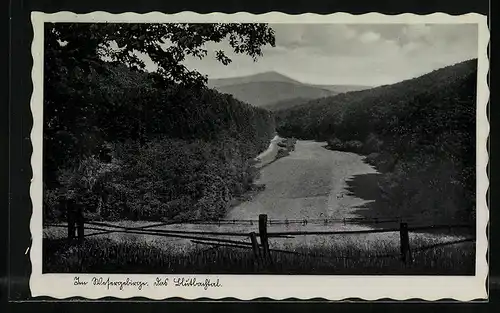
261,249
302,221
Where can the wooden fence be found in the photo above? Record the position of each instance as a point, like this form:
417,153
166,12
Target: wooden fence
259,242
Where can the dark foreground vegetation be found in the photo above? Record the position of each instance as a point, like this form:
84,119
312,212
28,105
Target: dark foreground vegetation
420,134
144,258
129,144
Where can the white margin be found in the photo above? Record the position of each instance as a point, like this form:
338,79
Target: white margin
279,287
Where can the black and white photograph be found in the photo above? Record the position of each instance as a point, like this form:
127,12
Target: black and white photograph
264,149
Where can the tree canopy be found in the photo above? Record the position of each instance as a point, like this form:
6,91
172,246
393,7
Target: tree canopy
86,92
153,145
83,44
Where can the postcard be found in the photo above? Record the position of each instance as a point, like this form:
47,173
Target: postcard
211,156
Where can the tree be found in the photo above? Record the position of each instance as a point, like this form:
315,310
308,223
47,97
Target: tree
166,44
80,56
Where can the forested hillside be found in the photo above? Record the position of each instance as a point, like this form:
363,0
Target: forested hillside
420,133
263,93
125,143
285,104
342,88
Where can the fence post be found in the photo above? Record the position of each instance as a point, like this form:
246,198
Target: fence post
405,243
263,237
80,222
70,216
256,250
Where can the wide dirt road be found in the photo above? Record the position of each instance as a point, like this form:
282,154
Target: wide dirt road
309,183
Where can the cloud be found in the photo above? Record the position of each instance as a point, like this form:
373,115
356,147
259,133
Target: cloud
416,31
365,54
319,38
369,37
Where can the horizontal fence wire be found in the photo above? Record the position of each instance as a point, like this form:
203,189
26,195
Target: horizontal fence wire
389,255
316,255
305,221
442,244
330,257
165,231
368,231
110,225
319,220
284,234
229,245
155,233
295,221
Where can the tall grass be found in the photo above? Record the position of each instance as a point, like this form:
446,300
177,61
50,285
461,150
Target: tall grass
103,255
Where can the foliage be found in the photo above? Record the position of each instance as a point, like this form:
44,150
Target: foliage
285,147
51,205
167,45
86,98
99,102
422,131
174,178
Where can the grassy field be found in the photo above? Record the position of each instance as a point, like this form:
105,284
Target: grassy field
102,255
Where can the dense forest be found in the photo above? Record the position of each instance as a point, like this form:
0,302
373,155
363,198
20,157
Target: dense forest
125,143
419,133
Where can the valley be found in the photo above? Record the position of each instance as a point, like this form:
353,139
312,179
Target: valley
272,89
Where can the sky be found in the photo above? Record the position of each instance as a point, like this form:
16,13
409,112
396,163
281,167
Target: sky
351,54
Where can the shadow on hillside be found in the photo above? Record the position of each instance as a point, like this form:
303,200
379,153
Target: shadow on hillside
377,212
345,150
365,187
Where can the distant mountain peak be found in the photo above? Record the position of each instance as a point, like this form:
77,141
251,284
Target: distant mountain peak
270,76
275,76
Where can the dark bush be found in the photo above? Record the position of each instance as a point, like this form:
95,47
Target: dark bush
354,146
336,144
372,144
282,153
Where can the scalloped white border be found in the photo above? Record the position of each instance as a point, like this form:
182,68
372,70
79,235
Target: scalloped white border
247,287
